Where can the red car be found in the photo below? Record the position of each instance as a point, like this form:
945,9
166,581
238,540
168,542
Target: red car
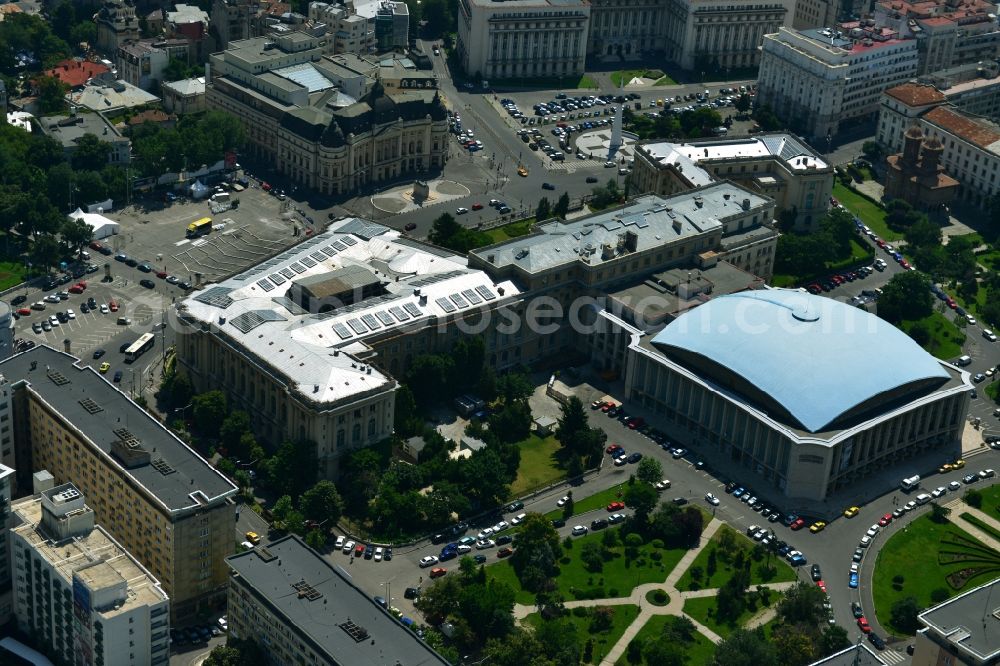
437,572
504,552
814,288
881,243
905,264
78,288
161,274
24,312
611,450
798,524
951,303
885,520
607,406
113,305
477,206
266,187
637,422
821,585
863,625
616,506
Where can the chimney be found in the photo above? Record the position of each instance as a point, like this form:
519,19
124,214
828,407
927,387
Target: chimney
208,73
746,204
68,346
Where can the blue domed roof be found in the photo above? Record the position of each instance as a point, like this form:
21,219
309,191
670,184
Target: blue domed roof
816,357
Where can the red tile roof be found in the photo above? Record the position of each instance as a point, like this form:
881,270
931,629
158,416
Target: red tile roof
916,94
75,73
977,132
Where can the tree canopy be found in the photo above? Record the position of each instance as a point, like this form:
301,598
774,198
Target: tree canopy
906,296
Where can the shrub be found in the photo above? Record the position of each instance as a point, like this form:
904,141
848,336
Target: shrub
657,543
939,594
973,498
581,611
898,579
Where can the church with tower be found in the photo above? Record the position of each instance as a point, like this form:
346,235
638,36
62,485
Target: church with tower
917,176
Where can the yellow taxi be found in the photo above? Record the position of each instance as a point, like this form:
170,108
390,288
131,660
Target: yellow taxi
952,466
521,171
253,538
958,464
105,367
817,526
851,512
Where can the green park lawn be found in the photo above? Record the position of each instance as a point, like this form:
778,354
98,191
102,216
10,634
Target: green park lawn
538,466
603,641
928,556
622,77
869,212
702,609
12,273
782,572
512,230
585,504
945,338
982,526
618,577
859,253
991,495
699,650
665,81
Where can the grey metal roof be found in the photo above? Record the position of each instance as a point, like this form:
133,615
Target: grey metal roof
969,622
321,605
856,655
73,391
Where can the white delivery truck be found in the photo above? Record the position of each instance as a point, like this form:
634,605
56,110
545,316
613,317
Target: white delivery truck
910,483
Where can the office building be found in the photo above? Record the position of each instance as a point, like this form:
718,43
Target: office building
779,166
721,34
155,495
818,80
969,144
948,33
303,610
626,30
6,492
297,117
82,597
729,379
962,631
523,38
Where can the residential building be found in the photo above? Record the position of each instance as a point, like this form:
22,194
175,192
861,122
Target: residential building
523,38
141,64
948,34
917,176
721,377
67,130
970,144
285,92
76,72
779,166
818,80
187,22
962,631
972,88
392,26
303,610
105,94
116,24
815,14
155,495
362,27
184,96
82,597
6,492
699,34
232,20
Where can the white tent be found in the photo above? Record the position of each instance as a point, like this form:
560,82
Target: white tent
102,226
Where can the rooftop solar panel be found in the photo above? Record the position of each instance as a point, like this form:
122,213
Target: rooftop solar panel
318,256
265,284
276,279
297,267
384,317
445,305
328,250
306,261
459,301
370,322
398,313
348,240
337,245
472,297
412,309
358,327
287,272
341,331
485,292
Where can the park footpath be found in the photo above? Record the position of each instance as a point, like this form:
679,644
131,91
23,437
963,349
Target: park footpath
958,506
675,606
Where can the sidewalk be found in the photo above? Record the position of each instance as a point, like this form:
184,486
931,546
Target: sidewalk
959,507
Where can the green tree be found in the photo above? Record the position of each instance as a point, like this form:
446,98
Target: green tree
662,653
794,645
642,498
765,117
90,154
51,95
316,539
562,206
209,409
872,150
833,639
322,502
177,69
63,19
973,498
592,557
292,468
649,471
281,509
537,548
802,603
923,233
45,252
906,296
544,210
237,652
444,228
742,104
572,424
903,615
517,649
76,234
745,647
514,386
439,18
232,430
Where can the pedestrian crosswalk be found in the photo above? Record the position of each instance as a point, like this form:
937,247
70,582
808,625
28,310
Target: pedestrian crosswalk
892,657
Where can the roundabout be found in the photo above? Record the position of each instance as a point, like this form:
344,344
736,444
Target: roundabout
418,195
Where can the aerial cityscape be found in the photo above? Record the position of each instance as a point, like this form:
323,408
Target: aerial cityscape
499,332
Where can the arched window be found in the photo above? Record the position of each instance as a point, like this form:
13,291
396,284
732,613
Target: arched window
356,433
371,427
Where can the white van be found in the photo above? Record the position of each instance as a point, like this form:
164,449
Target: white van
963,360
922,498
910,483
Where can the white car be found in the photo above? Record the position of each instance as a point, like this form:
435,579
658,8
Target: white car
712,499
954,485
348,547
970,319
865,541
54,320
518,519
663,485
620,461
678,453
501,526
579,530
339,543
461,211
104,308
70,313
428,561
855,567
940,490
223,623
872,531
910,506
989,335
562,500
483,544
485,533
464,548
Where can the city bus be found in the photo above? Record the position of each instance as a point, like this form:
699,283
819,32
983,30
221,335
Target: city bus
139,347
199,227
